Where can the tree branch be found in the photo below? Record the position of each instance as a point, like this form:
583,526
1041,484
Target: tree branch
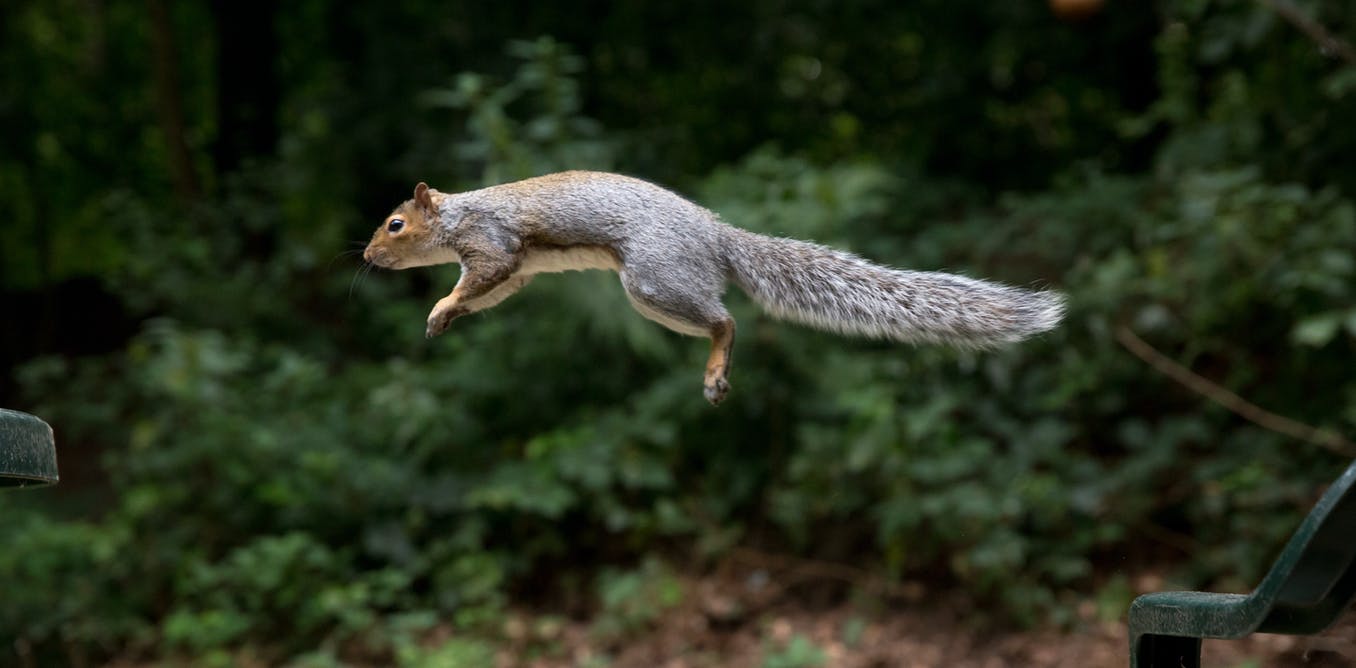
1329,44
1237,405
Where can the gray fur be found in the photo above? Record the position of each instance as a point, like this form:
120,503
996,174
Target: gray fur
838,291
675,259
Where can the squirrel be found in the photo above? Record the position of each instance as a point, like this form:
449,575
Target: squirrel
675,259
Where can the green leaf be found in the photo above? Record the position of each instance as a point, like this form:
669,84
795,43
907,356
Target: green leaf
1317,330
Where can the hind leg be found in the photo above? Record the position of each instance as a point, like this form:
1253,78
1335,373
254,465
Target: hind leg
715,383
695,312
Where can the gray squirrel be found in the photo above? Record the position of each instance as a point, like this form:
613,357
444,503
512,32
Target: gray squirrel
675,259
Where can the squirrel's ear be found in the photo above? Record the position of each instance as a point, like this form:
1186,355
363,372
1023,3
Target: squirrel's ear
421,196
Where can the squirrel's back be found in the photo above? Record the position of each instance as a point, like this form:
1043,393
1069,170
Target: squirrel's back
584,207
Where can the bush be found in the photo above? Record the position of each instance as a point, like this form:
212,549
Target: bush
298,475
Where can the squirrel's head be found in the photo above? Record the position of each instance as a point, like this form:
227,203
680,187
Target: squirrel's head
407,237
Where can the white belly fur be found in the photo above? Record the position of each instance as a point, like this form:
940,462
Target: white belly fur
579,258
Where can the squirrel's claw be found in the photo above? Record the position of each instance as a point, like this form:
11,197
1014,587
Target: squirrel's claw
440,319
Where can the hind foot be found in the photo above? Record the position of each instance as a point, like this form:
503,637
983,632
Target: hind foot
715,390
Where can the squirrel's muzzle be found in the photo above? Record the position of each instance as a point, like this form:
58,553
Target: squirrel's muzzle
377,256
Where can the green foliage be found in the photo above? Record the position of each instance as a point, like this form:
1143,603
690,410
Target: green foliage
631,602
68,571
551,136
799,652
454,653
287,586
296,475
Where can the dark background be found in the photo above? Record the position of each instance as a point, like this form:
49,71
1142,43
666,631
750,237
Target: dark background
263,457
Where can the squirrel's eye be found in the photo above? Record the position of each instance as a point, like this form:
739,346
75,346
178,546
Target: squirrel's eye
395,225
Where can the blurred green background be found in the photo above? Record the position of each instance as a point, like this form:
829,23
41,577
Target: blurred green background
261,453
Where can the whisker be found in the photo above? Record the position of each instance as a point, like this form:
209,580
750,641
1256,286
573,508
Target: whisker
366,272
346,253
366,266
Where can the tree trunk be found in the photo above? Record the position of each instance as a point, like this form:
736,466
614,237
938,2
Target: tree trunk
169,102
247,82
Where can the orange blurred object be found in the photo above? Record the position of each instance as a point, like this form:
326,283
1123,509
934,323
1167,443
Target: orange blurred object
1075,10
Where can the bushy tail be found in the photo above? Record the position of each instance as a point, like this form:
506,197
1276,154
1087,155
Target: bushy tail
838,291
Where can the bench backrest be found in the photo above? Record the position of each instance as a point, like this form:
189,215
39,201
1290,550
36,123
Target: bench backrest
1314,579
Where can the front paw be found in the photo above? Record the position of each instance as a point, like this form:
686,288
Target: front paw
441,318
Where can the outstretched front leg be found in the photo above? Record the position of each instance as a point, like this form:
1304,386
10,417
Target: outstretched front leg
716,384
486,279
468,306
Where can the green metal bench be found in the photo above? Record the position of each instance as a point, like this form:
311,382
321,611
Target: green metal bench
1308,588
27,451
